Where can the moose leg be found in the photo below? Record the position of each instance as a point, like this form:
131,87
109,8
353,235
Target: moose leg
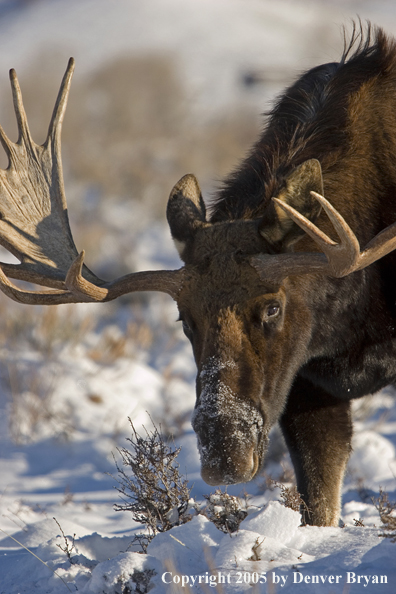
317,428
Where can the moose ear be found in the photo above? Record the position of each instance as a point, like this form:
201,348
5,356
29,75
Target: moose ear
279,229
185,211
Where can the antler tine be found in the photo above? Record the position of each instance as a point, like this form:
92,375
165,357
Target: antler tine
78,285
342,228
32,297
310,229
6,143
342,256
23,128
381,245
55,126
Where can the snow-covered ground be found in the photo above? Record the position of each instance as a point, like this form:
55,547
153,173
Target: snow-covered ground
69,380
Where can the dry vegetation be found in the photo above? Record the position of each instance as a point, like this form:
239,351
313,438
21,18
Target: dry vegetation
226,511
387,514
158,496
150,484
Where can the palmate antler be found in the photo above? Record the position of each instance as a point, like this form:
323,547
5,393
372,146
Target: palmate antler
34,225
336,259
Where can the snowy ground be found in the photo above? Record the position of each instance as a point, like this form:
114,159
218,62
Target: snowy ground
69,380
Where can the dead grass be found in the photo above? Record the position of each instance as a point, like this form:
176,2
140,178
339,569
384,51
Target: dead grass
32,340
38,344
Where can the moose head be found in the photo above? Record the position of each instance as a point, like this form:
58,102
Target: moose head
248,320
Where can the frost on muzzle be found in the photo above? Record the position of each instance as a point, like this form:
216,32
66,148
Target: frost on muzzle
230,431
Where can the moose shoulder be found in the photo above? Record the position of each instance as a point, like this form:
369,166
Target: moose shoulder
288,318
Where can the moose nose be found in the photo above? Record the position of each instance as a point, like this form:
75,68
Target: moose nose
233,470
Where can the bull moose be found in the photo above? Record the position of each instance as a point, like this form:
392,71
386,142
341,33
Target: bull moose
288,319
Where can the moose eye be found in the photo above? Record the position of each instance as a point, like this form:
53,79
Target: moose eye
272,311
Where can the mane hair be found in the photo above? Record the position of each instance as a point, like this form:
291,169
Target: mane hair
310,120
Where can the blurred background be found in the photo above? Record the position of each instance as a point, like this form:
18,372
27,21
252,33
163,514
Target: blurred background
161,88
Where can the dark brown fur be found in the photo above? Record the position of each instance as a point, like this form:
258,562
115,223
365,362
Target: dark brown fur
329,340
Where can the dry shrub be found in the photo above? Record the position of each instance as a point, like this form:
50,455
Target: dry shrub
289,495
138,582
158,497
151,486
256,550
225,511
387,513
68,543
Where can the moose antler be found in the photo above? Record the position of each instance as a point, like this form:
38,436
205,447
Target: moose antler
336,259
34,225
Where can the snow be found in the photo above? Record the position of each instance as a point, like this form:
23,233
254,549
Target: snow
275,522
375,453
65,405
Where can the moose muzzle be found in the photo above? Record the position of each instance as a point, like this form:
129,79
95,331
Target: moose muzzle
230,430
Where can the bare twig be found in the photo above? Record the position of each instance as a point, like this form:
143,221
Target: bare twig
69,545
